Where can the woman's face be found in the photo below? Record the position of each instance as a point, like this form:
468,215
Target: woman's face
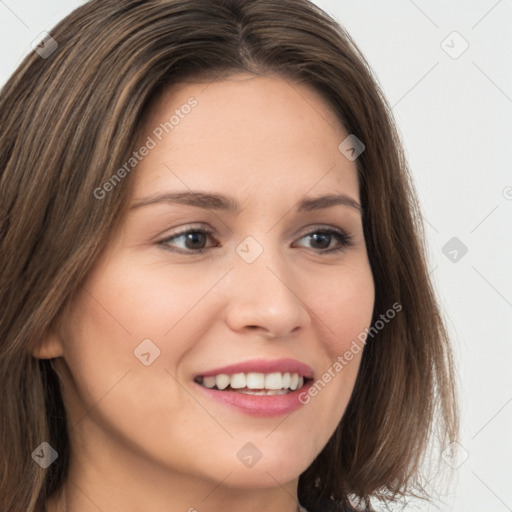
265,288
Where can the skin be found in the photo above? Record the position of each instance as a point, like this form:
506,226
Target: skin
144,437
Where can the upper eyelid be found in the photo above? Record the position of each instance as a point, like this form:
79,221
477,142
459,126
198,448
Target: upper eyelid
211,233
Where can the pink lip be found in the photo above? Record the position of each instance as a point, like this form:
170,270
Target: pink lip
259,405
263,366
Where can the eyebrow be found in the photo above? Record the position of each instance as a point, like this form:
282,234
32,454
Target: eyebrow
221,202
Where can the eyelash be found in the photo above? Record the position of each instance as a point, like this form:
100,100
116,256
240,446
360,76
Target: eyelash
343,238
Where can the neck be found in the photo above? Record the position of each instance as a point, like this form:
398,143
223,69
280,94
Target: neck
136,485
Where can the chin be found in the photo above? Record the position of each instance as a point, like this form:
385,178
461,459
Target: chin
254,478
272,470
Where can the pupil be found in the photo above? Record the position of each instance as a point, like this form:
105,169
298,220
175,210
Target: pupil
193,238
325,237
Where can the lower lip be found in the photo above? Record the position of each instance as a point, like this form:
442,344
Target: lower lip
259,405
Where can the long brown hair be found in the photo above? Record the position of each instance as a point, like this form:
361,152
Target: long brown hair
70,120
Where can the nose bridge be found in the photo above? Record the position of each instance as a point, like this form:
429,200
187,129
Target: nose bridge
263,292
260,262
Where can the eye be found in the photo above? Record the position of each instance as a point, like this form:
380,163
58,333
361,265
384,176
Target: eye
322,238
194,239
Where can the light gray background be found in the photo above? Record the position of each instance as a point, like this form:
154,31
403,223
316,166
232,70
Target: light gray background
455,119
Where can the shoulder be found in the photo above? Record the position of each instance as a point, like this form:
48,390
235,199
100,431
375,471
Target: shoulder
327,505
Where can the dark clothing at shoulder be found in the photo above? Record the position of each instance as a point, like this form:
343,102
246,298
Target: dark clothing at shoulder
327,505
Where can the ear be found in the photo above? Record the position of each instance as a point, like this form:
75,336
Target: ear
49,347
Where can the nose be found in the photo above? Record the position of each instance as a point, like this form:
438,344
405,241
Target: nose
265,298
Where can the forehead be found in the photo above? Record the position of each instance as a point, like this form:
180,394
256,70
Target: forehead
245,131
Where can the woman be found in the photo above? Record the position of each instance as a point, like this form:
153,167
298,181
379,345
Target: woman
213,281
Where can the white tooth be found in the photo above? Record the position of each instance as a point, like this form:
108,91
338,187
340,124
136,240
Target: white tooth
222,381
209,382
274,381
272,392
255,380
258,381
252,392
237,380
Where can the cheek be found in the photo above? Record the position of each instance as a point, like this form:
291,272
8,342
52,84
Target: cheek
342,312
131,301
110,386
344,307
106,340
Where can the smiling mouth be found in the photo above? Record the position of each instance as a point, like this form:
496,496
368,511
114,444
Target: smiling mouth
254,383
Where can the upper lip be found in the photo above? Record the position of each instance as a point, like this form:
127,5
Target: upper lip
263,366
